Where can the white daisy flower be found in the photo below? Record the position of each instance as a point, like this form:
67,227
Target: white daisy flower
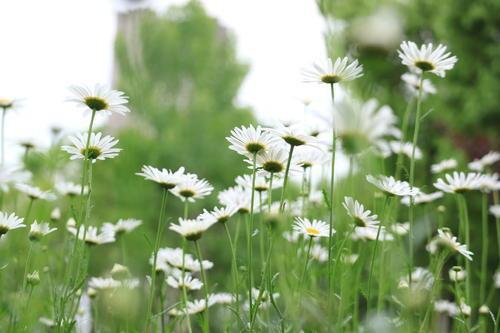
464,308
10,176
405,148
197,306
191,188
192,229
447,240
100,99
250,140
221,298
319,253
124,226
10,222
391,186
92,236
459,182
47,322
264,299
413,84
489,183
55,214
35,193
220,215
426,58
261,183
174,258
422,198
187,282
446,307
361,125
495,211
314,228
166,178
237,197
307,158
39,230
70,189
100,148
444,165
333,72
350,258
487,160
292,236
272,161
400,229
370,234
100,283
421,278
7,103
457,274
294,135
361,217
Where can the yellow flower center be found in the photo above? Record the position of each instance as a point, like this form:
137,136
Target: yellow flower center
312,231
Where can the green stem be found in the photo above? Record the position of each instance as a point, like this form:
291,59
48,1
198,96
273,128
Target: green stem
4,111
155,256
304,269
249,234
27,265
484,252
184,292
464,218
285,179
404,131
205,285
234,271
497,222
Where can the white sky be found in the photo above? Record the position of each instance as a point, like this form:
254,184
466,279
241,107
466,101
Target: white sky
49,45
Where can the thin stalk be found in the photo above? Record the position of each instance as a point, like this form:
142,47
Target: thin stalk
404,130
497,222
184,292
285,179
249,234
332,184
234,271
484,252
304,269
27,265
412,176
206,327
155,255
4,111
464,217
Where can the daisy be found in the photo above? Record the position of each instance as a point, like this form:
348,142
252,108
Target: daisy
362,233
413,84
405,148
174,258
465,309
319,253
447,240
70,189
120,272
237,197
314,228
9,176
191,188
422,198
35,193
221,298
99,99
489,183
400,229
7,103
123,226
292,236
272,161
361,217
444,165
100,283
331,73
192,229
28,144
220,215
495,211
263,298
361,125
307,158
100,148
392,187
421,278
459,182
457,274
250,140
487,160
294,135
55,214
166,178
197,306
187,282
446,307
426,58
39,230
10,222
261,183
91,236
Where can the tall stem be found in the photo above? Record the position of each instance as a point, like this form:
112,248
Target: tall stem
464,218
184,292
234,271
412,176
484,252
205,285
4,110
285,179
155,256
332,184
249,234
27,266
404,132
304,269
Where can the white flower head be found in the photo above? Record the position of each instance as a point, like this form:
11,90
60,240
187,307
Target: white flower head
489,183
220,215
422,198
487,160
495,211
7,103
314,228
319,253
446,240
306,158
124,226
100,148
361,217
272,161
444,165
92,236
35,193
294,135
166,178
187,282
192,229
426,58
330,72
70,189
400,229
12,175
446,307
457,274
221,298
370,234
421,278
168,258
392,187
237,197
292,236
191,188
405,148
39,230
459,182
10,222
100,99
261,183
413,84
250,140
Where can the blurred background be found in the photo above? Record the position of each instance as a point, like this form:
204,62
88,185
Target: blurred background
195,69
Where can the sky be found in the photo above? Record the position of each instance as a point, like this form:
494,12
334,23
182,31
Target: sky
57,43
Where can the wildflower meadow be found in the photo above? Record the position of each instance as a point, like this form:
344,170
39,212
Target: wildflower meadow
254,229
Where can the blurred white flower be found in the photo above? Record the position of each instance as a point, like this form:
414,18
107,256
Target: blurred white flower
391,186
70,189
361,217
444,165
10,222
39,230
495,211
487,160
457,273
35,193
459,182
422,198
426,58
92,236
192,229
413,84
330,72
314,228
187,282
447,240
